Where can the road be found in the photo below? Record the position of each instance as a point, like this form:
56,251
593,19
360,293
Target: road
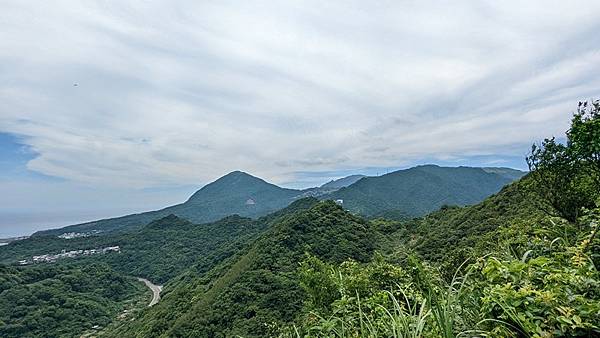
156,289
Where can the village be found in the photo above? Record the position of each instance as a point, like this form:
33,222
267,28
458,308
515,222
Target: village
71,235
51,258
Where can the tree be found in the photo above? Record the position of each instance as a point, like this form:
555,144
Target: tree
567,175
584,136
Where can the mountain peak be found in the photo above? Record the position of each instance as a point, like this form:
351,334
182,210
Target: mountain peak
238,193
236,178
238,173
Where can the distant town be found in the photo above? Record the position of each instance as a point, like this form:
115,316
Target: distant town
51,258
71,235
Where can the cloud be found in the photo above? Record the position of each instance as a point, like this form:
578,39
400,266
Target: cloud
181,93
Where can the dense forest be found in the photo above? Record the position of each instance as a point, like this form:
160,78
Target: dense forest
49,300
522,263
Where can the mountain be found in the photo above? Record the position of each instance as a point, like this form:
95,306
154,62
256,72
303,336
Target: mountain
417,191
235,193
399,195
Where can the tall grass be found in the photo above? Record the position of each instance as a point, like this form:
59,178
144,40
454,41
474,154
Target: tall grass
447,311
402,319
453,309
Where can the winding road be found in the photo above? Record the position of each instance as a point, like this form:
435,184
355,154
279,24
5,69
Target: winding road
156,289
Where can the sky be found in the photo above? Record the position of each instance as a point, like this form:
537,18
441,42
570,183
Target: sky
112,107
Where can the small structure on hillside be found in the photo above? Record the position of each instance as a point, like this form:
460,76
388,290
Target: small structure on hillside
250,201
339,202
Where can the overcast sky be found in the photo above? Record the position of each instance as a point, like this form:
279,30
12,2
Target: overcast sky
114,106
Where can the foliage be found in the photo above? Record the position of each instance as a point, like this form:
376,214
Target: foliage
451,235
552,290
380,299
57,300
568,176
584,134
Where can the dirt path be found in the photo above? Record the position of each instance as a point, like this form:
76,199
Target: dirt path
156,289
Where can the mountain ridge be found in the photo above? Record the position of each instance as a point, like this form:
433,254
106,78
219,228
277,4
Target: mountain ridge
249,196
419,190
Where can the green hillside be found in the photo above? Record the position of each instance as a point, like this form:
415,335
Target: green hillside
260,290
62,301
159,251
523,263
439,234
417,191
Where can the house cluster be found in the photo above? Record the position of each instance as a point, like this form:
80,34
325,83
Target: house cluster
50,258
71,235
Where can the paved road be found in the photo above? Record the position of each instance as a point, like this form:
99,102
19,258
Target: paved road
156,289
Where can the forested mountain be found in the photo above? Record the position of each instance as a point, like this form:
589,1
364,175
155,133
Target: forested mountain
235,193
73,295
64,300
408,193
419,190
259,290
452,234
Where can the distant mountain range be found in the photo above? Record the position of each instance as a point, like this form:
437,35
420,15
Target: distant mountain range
400,194
417,191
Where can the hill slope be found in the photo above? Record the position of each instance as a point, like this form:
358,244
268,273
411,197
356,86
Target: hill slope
159,251
261,286
417,191
454,233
